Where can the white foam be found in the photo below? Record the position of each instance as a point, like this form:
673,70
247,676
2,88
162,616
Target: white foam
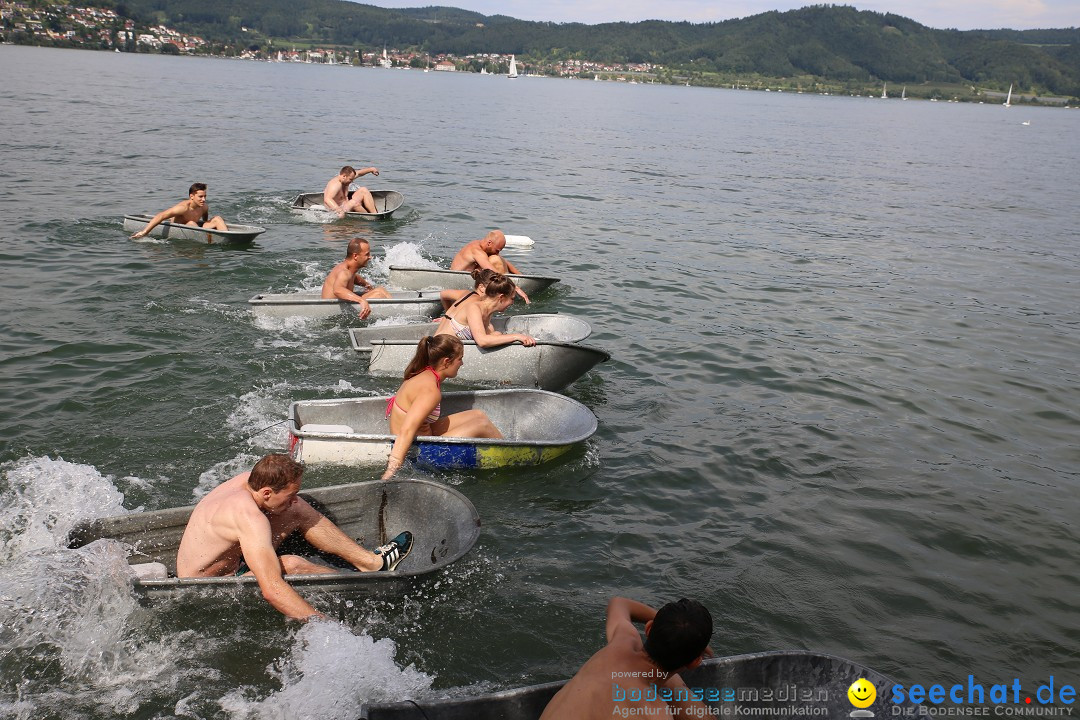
327,674
44,499
72,611
404,254
222,471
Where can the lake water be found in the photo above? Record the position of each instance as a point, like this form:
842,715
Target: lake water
841,409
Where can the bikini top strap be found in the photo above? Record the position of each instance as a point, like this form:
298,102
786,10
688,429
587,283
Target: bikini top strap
438,380
461,300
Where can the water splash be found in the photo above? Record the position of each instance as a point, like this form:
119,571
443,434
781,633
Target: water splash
43,499
67,616
329,673
404,254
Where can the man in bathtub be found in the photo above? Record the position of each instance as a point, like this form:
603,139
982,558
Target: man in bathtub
237,527
341,282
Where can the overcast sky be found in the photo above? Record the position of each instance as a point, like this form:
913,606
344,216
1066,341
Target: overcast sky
959,14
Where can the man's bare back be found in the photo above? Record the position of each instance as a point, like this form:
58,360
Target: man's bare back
622,674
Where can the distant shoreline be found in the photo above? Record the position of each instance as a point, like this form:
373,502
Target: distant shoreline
924,92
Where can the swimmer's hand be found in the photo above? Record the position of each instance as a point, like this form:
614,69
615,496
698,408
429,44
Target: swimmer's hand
527,340
392,466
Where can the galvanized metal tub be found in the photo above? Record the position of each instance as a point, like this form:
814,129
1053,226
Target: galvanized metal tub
443,522
546,365
236,233
550,327
408,278
767,684
386,202
538,426
401,303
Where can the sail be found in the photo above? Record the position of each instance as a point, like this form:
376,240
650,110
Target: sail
513,68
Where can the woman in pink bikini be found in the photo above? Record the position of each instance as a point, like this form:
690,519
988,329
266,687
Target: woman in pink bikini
415,409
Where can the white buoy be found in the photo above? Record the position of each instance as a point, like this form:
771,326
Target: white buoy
519,241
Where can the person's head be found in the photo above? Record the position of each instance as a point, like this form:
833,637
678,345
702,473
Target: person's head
494,242
678,635
360,247
442,352
501,289
275,480
481,277
348,173
197,192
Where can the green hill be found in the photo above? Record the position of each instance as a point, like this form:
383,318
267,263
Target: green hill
832,43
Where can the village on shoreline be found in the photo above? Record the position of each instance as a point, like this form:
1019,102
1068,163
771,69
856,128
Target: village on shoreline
90,28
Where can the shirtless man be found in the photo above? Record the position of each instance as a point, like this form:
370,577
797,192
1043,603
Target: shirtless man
484,253
339,199
193,211
345,276
247,517
676,638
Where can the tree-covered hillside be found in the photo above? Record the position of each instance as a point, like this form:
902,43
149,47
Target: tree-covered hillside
832,42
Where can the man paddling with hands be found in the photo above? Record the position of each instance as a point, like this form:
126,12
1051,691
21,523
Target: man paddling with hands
484,253
629,673
241,522
341,282
193,211
338,198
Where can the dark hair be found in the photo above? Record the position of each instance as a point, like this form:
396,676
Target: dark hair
482,276
276,472
348,170
679,634
196,187
354,247
499,284
432,349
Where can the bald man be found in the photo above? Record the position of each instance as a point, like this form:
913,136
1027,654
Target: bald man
484,253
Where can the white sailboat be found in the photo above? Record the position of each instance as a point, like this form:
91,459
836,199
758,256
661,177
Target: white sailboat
513,68
1008,100
903,93
385,61
884,95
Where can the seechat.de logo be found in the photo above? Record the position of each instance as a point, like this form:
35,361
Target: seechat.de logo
862,695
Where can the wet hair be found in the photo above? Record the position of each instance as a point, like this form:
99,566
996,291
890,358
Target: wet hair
499,284
354,247
679,634
275,471
196,187
430,350
348,170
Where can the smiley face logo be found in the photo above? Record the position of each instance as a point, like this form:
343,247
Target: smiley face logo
861,693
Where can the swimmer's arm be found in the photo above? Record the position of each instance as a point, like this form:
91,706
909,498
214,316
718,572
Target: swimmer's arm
160,218
260,556
362,281
622,613
422,406
511,270
367,170
342,292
